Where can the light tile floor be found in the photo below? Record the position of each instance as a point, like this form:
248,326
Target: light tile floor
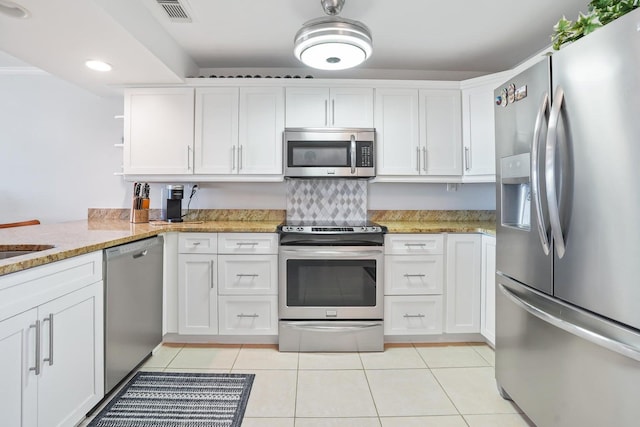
404,386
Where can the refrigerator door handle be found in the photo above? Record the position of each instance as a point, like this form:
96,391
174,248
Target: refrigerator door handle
543,112
550,172
592,336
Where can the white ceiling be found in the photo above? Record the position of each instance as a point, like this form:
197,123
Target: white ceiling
412,38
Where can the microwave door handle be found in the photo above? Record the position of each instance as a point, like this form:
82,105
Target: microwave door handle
353,154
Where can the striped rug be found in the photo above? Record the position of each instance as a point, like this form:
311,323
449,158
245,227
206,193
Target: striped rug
178,399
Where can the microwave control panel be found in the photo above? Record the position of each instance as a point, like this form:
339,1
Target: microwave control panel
364,158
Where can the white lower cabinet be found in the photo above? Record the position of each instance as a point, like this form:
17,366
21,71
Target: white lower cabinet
228,284
488,290
248,274
413,284
52,355
248,283
248,315
197,294
463,268
413,315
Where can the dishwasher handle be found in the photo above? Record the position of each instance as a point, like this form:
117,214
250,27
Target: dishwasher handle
137,249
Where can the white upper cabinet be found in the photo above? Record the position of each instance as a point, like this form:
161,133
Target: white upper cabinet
440,132
396,123
329,107
216,130
261,127
419,132
239,130
158,134
478,130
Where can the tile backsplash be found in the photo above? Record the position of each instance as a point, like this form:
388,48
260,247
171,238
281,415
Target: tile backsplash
319,200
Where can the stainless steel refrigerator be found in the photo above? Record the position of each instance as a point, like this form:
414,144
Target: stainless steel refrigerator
568,232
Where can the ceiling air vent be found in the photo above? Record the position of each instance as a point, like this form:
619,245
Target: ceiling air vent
175,10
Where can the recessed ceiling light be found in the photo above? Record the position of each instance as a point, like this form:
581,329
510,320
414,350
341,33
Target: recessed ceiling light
13,10
98,65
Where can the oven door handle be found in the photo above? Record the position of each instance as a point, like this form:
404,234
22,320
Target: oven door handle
343,254
333,328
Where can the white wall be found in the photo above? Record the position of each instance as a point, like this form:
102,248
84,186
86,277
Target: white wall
56,149
57,159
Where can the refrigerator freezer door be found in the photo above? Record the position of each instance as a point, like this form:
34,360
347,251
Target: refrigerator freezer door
599,127
522,252
557,377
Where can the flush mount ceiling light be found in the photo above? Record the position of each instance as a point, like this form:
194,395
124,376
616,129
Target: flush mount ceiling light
13,10
331,42
97,65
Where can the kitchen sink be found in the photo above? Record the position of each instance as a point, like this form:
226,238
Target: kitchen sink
9,251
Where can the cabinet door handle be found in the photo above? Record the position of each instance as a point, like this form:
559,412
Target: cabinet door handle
333,111
240,158
424,158
326,112
36,368
409,316
415,275
253,316
417,159
188,157
247,275
50,320
467,159
211,274
233,158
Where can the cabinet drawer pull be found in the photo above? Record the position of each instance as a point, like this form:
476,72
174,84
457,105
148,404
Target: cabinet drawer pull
252,316
421,245
36,368
247,275
247,243
409,316
50,320
196,243
415,275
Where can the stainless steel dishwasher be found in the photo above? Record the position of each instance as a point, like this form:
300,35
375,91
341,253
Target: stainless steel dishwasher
133,306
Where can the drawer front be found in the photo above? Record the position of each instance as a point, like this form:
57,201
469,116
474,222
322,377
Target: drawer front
248,243
414,244
412,315
248,315
198,243
23,290
247,274
413,275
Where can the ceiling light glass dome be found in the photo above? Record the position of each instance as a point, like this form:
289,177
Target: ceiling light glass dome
331,42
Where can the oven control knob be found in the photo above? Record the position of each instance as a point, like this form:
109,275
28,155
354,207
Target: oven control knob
300,229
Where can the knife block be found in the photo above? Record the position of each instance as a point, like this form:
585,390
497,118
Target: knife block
139,216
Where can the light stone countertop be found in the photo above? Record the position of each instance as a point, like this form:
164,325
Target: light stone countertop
80,237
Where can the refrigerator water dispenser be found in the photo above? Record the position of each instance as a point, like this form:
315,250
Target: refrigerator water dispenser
515,185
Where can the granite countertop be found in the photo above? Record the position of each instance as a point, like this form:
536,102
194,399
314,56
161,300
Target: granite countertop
80,237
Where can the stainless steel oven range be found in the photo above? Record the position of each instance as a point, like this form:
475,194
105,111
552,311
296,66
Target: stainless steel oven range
330,287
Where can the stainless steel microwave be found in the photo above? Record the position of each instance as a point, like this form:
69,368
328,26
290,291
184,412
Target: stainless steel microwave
330,152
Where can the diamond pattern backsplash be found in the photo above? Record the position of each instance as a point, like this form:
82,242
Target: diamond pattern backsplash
340,200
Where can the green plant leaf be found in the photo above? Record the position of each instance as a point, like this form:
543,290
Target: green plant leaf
586,24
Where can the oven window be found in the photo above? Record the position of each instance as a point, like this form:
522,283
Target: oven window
331,283
318,154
